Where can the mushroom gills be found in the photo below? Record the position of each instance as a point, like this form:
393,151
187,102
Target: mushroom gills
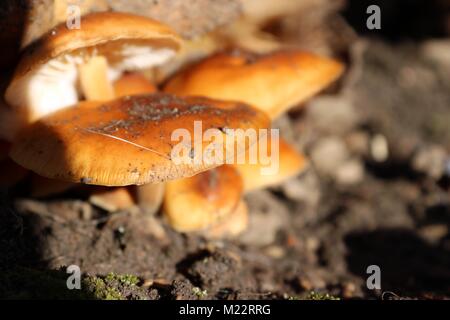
55,84
96,76
50,88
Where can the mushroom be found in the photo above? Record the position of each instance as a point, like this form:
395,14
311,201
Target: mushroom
236,223
148,196
192,51
108,44
129,140
203,201
272,82
112,199
40,16
290,163
133,84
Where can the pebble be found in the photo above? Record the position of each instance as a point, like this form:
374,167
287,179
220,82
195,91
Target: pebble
447,167
379,148
268,216
430,160
305,189
332,114
348,290
433,233
328,155
350,173
275,252
358,142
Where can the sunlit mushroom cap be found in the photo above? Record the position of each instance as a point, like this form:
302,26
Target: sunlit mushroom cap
47,75
204,200
290,164
129,140
272,82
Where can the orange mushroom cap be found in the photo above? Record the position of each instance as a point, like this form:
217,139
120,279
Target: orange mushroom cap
290,163
272,82
47,76
204,200
127,140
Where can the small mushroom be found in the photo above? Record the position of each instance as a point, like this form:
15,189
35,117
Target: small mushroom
133,84
290,164
203,201
236,223
112,199
150,197
129,140
271,82
108,44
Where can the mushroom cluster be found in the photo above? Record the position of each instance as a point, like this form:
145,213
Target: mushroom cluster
87,106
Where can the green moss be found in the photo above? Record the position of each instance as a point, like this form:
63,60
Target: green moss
101,290
114,287
199,292
321,296
126,279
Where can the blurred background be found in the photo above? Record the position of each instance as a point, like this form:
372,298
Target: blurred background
377,191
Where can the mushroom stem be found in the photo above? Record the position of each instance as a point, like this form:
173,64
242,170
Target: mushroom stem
94,81
150,197
132,84
112,199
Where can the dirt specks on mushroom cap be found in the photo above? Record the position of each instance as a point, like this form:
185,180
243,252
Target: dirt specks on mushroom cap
127,140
